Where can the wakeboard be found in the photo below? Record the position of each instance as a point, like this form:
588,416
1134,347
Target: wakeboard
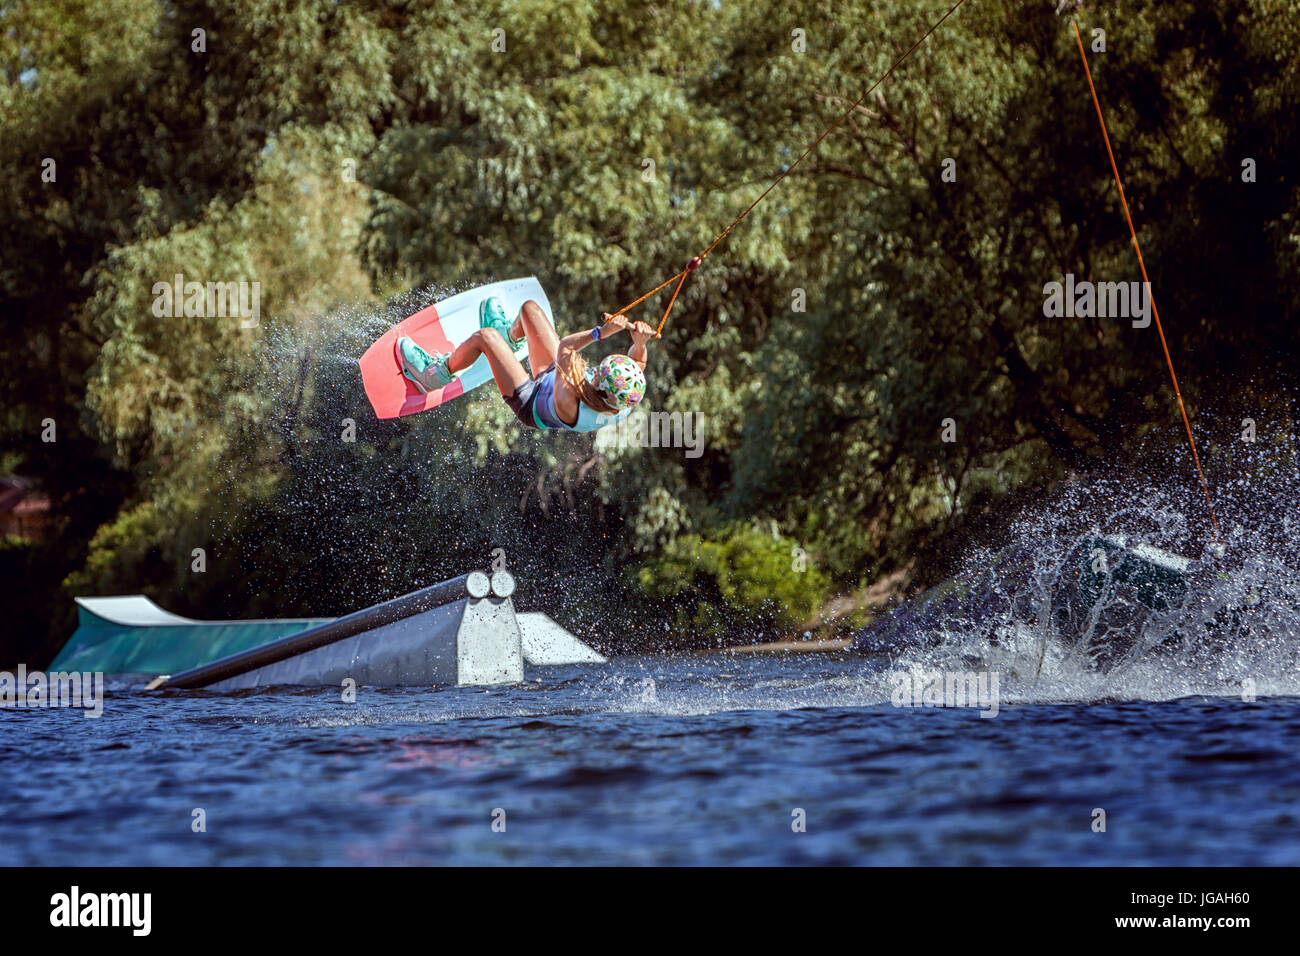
440,328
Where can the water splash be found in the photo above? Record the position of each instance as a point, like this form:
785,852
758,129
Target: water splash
1107,593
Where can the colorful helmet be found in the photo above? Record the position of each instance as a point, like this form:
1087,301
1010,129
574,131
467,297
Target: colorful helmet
621,381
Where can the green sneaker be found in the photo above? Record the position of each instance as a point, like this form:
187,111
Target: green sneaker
426,371
492,315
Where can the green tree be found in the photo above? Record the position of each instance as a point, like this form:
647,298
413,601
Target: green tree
599,149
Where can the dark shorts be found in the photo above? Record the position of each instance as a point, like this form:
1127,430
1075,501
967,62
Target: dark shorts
521,402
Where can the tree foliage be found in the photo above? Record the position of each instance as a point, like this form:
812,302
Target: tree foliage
343,154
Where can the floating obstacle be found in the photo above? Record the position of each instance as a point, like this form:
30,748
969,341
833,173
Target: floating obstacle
133,635
1099,585
463,631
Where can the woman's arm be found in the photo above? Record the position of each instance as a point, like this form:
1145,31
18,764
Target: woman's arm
580,340
640,332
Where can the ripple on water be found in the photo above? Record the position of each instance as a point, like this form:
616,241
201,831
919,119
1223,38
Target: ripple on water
706,769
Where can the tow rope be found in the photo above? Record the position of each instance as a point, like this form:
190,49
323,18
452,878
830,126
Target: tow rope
1191,440
696,261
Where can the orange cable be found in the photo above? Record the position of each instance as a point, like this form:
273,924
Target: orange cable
684,274
1142,265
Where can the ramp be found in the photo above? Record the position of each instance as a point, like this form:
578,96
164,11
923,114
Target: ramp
450,633
133,635
463,631
546,643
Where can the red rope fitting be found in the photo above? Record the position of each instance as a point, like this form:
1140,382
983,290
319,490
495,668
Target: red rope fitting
694,263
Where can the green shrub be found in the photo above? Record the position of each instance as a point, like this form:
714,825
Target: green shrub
735,581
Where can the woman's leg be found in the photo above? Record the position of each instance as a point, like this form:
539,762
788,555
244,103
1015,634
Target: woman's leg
543,343
506,369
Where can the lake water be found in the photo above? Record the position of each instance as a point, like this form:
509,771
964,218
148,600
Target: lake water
710,759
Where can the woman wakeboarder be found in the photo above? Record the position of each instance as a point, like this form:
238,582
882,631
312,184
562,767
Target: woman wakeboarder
561,392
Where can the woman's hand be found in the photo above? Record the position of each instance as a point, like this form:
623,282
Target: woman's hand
613,324
642,332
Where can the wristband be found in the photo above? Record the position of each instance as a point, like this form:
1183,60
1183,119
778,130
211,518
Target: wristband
595,334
